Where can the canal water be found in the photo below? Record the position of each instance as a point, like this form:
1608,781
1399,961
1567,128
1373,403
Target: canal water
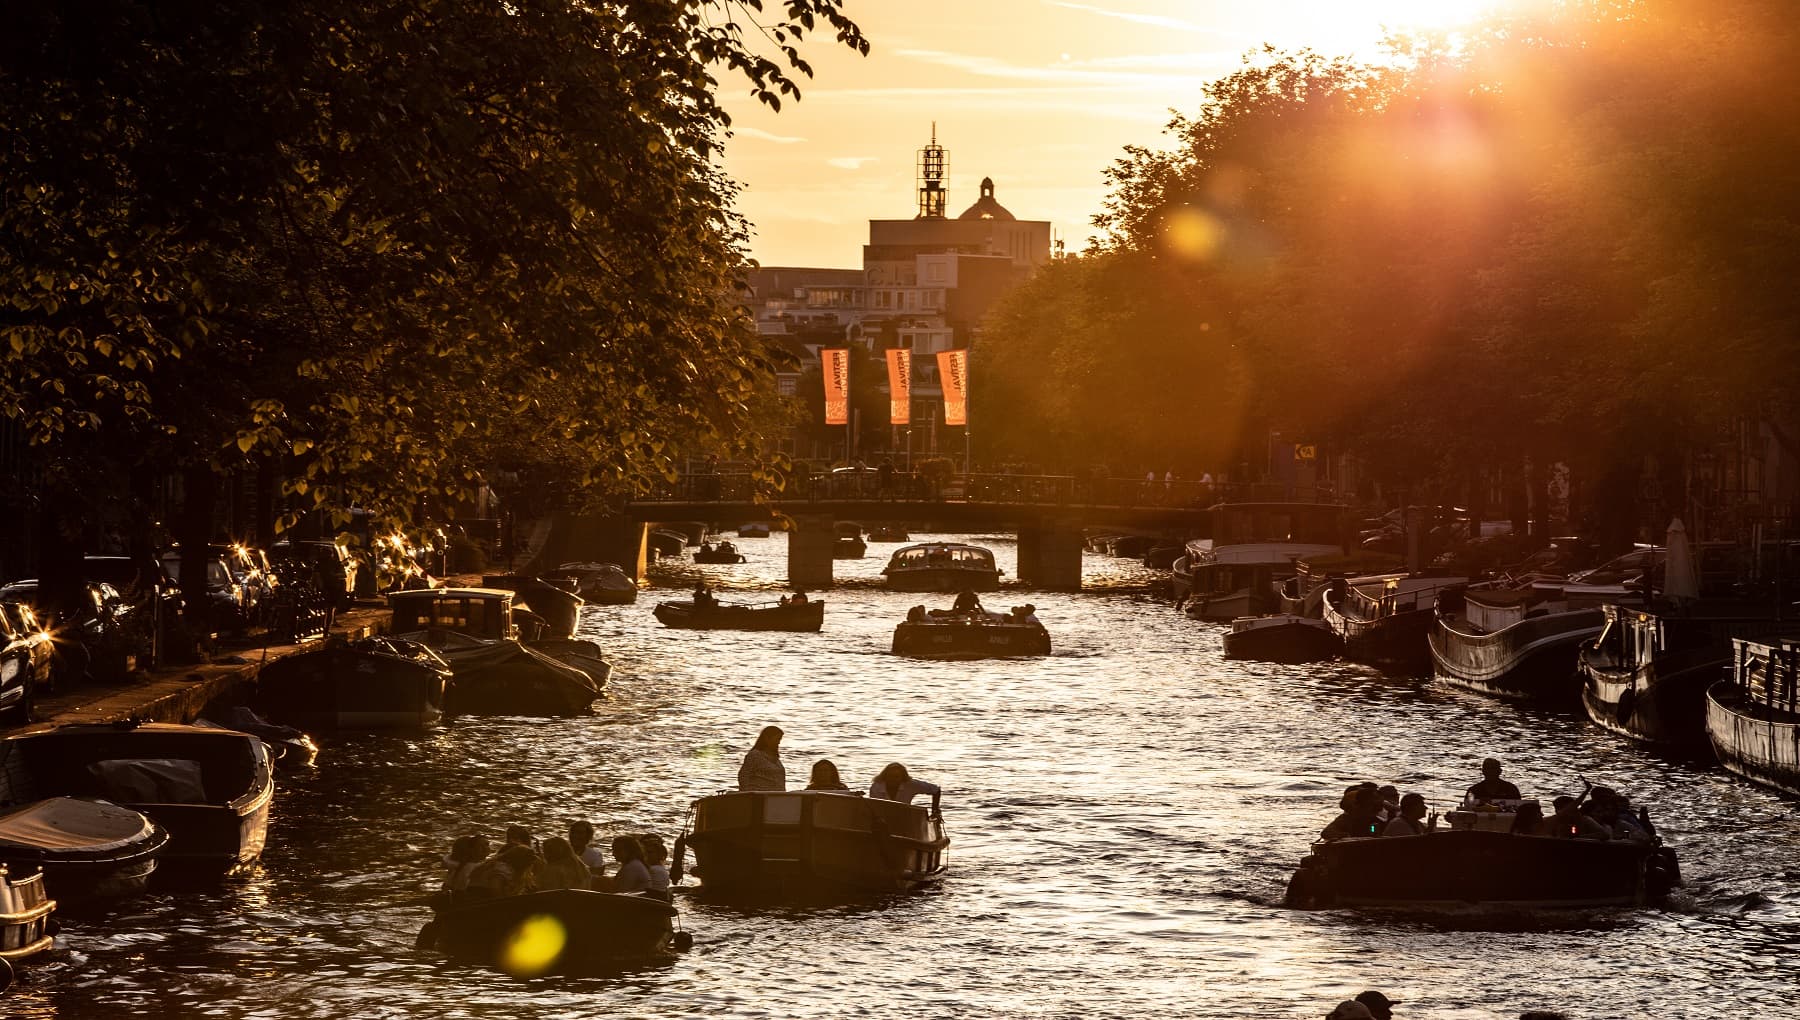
1125,814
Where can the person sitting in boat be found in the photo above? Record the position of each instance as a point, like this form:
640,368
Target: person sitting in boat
1570,822
656,861
581,840
703,598
466,854
519,835
1350,1009
966,602
798,598
825,777
1492,789
1608,808
894,783
706,547
762,769
1357,819
1409,817
632,875
562,869
1529,820
510,872
915,615
1390,805
1380,1006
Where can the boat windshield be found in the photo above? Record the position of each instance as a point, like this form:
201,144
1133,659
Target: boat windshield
484,617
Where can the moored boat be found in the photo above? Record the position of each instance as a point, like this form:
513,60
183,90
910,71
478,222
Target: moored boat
87,849
1510,643
495,674
1387,620
211,789
376,682
888,533
753,529
1753,714
556,931
600,583
806,616
25,910
553,600
1281,637
1646,675
1163,557
849,544
722,552
971,632
805,843
664,543
942,566
1237,569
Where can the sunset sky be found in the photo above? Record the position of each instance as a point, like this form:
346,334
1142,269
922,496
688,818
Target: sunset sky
1040,95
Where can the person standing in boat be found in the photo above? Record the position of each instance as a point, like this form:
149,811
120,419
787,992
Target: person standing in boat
1492,788
703,598
762,770
894,783
825,777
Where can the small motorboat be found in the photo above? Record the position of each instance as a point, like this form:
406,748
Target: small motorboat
87,849
372,683
971,632
942,566
557,931
290,747
1131,547
783,615
754,529
812,842
849,544
472,630
1480,863
722,552
1281,637
600,583
888,533
25,910
211,789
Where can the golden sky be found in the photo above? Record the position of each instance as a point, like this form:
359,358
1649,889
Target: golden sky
1040,95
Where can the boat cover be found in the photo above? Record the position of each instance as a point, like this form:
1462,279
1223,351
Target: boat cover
69,823
151,780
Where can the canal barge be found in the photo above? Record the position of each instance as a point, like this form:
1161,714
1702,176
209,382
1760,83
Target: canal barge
1646,676
812,842
1753,714
555,931
1237,570
211,789
87,849
367,683
971,632
942,566
806,616
1386,620
1517,644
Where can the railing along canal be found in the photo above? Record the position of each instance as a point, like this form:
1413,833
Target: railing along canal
1004,488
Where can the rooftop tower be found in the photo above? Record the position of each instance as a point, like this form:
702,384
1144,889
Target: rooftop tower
934,167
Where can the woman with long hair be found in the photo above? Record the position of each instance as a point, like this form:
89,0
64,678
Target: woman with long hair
762,769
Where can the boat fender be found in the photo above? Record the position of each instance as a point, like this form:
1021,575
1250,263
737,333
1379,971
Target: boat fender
679,868
682,942
427,936
1626,706
6,973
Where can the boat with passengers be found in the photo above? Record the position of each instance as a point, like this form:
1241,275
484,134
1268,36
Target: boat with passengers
1237,568
812,842
942,566
969,631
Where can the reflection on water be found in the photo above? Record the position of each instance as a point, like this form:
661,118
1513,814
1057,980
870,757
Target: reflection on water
1125,815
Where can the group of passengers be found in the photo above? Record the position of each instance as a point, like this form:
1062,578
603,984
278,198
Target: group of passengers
524,865
762,771
1599,813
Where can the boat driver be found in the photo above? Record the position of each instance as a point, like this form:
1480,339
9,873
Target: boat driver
966,602
1492,789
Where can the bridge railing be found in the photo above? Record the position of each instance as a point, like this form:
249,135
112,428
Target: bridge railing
986,487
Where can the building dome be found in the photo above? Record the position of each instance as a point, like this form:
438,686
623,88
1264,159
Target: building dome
986,208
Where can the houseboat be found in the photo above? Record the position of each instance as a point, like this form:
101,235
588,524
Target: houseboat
1516,643
1387,620
812,843
942,566
1237,569
1753,713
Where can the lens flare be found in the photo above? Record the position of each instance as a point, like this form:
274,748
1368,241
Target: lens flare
534,947
1193,234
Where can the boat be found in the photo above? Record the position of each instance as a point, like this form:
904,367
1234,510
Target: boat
812,843
1163,557
663,543
942,566
1478,863
888,533
599,583
472,630
754,529
1281,637
970,632
367,683
211,789
1753,713
554,600
1131,547
1511,643
582,931
25,925
723,552
88,849
1386,620
1251,548
807,616
849,544
291,748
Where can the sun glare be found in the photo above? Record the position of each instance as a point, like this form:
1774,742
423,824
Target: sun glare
1400,15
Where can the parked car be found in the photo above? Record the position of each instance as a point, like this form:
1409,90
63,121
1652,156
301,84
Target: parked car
325,565
107,636
227,605
25,653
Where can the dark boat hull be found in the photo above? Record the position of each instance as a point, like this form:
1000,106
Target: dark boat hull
597,930
1753,741
1459,869
347,687
957,639
1663,704
683,616
1296,641
716,558
1400,642
508,678
849,549
804,844
1533,660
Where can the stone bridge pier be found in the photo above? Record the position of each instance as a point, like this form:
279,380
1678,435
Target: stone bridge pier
1050,553
810,541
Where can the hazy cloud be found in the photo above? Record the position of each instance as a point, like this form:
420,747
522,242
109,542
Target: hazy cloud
1067,72
1158,20
850,162
767,136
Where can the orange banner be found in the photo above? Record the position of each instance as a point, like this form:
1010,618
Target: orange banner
899,387
953,372
836,363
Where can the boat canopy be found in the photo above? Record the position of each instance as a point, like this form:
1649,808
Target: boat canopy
483,612
943,554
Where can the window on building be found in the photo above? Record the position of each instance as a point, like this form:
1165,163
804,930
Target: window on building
787,385
934,273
